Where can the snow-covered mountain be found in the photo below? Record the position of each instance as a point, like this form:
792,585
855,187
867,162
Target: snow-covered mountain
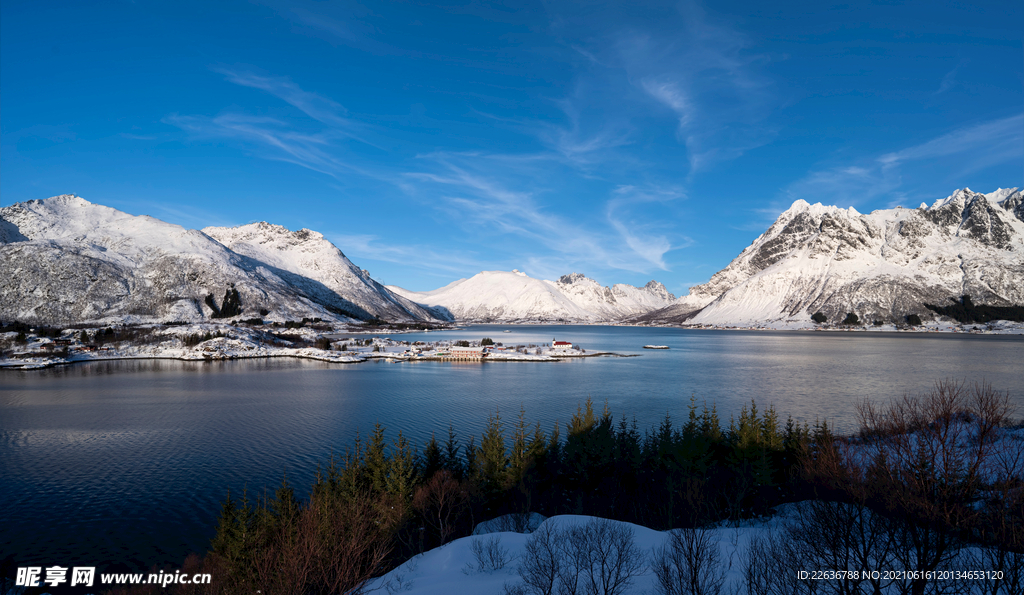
66,260
311,258
882,266
511,296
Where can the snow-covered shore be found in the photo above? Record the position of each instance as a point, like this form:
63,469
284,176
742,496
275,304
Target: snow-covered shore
209,342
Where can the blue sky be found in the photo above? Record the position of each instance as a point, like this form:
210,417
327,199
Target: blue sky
626,141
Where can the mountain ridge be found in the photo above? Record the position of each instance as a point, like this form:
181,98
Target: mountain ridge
884,265
69,261
506,296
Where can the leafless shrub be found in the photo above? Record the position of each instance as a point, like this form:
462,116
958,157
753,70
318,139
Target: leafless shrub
614,560
598,558
518,522
925,460
490,554
541,561
689,563
1009,563
771,568
514,589
842,536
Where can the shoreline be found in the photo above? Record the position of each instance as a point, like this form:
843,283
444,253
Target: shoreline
53,363
342,346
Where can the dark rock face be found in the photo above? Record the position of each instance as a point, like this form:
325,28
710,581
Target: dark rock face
572,278
1015,204
983,224
794,233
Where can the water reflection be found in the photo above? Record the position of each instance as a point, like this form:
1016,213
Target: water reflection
126,461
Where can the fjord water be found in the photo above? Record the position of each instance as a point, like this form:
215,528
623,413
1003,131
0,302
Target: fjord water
124,464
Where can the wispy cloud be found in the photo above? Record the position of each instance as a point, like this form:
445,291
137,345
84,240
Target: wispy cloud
993,138
184,215
320,150
131,136
971,149
313,105
440,263
474,194
949,79
275,139
670,94
707,78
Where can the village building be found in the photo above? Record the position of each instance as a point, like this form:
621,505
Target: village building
560,344
467,353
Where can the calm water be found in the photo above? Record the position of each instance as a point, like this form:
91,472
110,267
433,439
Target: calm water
125,463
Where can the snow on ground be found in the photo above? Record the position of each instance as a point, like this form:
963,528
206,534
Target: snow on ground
454,568
240,342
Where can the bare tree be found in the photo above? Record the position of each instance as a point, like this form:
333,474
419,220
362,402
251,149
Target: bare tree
771,567
441,502
541,561
614,559
689,563
843,536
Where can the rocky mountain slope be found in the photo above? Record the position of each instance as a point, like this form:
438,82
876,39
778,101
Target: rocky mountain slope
512,296
65,260
882,266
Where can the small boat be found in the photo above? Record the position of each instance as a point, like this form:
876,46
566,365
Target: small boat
506,331
655,346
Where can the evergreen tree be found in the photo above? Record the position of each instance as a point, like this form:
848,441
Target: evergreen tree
400,474
450,456
433,460
582,421
518,458
492,458
375,460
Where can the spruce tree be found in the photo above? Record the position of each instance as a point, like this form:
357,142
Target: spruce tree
450,456
433,460
375,460
400,474
519,456
492,458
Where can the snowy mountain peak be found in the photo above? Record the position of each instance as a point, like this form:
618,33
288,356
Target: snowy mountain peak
958,198
71,261
511,296
883,265
1000,195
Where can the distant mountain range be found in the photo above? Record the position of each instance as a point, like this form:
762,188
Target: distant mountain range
514,296
65,260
